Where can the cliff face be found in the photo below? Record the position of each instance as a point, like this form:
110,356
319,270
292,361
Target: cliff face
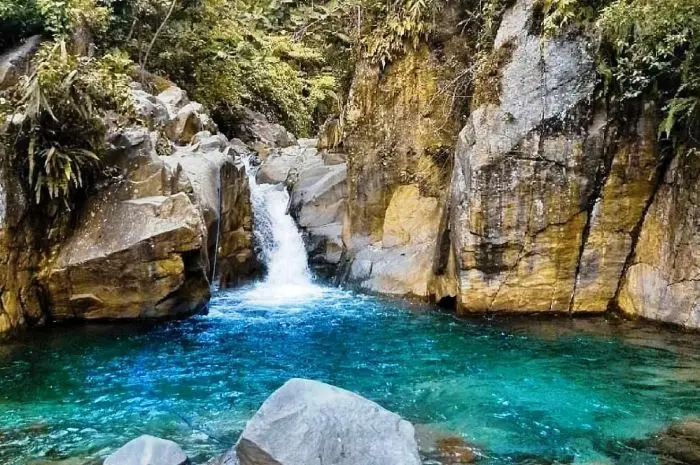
144,244
557,201
663,279
398,136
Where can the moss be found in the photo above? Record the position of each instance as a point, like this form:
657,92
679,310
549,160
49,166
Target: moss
487,79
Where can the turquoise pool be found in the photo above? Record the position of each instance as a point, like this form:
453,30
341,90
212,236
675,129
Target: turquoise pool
560,391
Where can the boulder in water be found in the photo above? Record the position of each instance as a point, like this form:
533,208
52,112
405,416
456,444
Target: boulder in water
680,443
311,423
148,450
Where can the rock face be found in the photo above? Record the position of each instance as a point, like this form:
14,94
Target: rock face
161,229
149,241
148,450
146,245
13,64
524,175
318,203
311,423
398,135
663,280
402,263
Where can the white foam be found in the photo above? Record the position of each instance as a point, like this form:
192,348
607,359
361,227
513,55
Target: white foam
288,276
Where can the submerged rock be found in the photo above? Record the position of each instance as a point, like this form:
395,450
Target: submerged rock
311,423
148,450
680,443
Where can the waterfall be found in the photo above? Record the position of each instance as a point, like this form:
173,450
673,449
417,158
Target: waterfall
283,251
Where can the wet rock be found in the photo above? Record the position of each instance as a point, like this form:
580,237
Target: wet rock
14,63
277,166
148,450
442,448
307,422
680,443
318,203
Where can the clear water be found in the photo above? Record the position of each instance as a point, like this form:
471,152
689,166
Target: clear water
561,389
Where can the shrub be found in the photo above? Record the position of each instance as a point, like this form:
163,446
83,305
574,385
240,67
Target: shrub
655,48
59,138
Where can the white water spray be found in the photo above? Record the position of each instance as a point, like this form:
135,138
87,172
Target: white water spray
288,275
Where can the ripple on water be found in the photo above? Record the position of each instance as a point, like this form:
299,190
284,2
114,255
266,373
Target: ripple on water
563,389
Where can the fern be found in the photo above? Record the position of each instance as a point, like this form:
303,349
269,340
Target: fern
59,139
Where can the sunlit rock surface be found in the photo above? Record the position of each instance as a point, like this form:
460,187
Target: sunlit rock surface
398,135
147,246
311,423
525,171
401,263
663,280
148,450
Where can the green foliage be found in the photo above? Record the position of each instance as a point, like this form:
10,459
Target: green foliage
59,136
562,14
18,19
227,53
21,18
399,25
655,49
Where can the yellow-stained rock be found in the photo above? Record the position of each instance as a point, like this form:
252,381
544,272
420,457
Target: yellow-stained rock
393,119
663,280
410,218
616,215
402,263
127,258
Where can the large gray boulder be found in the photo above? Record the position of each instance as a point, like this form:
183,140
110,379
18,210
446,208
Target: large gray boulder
318,203
311,423
148,450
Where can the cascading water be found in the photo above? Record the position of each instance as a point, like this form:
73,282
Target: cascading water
283,252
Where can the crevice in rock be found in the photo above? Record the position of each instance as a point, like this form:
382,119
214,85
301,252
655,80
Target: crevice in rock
444,242
602,175
664,165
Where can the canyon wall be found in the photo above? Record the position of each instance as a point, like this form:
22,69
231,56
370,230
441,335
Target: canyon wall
558,201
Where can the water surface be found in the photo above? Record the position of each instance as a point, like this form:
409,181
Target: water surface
569,391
